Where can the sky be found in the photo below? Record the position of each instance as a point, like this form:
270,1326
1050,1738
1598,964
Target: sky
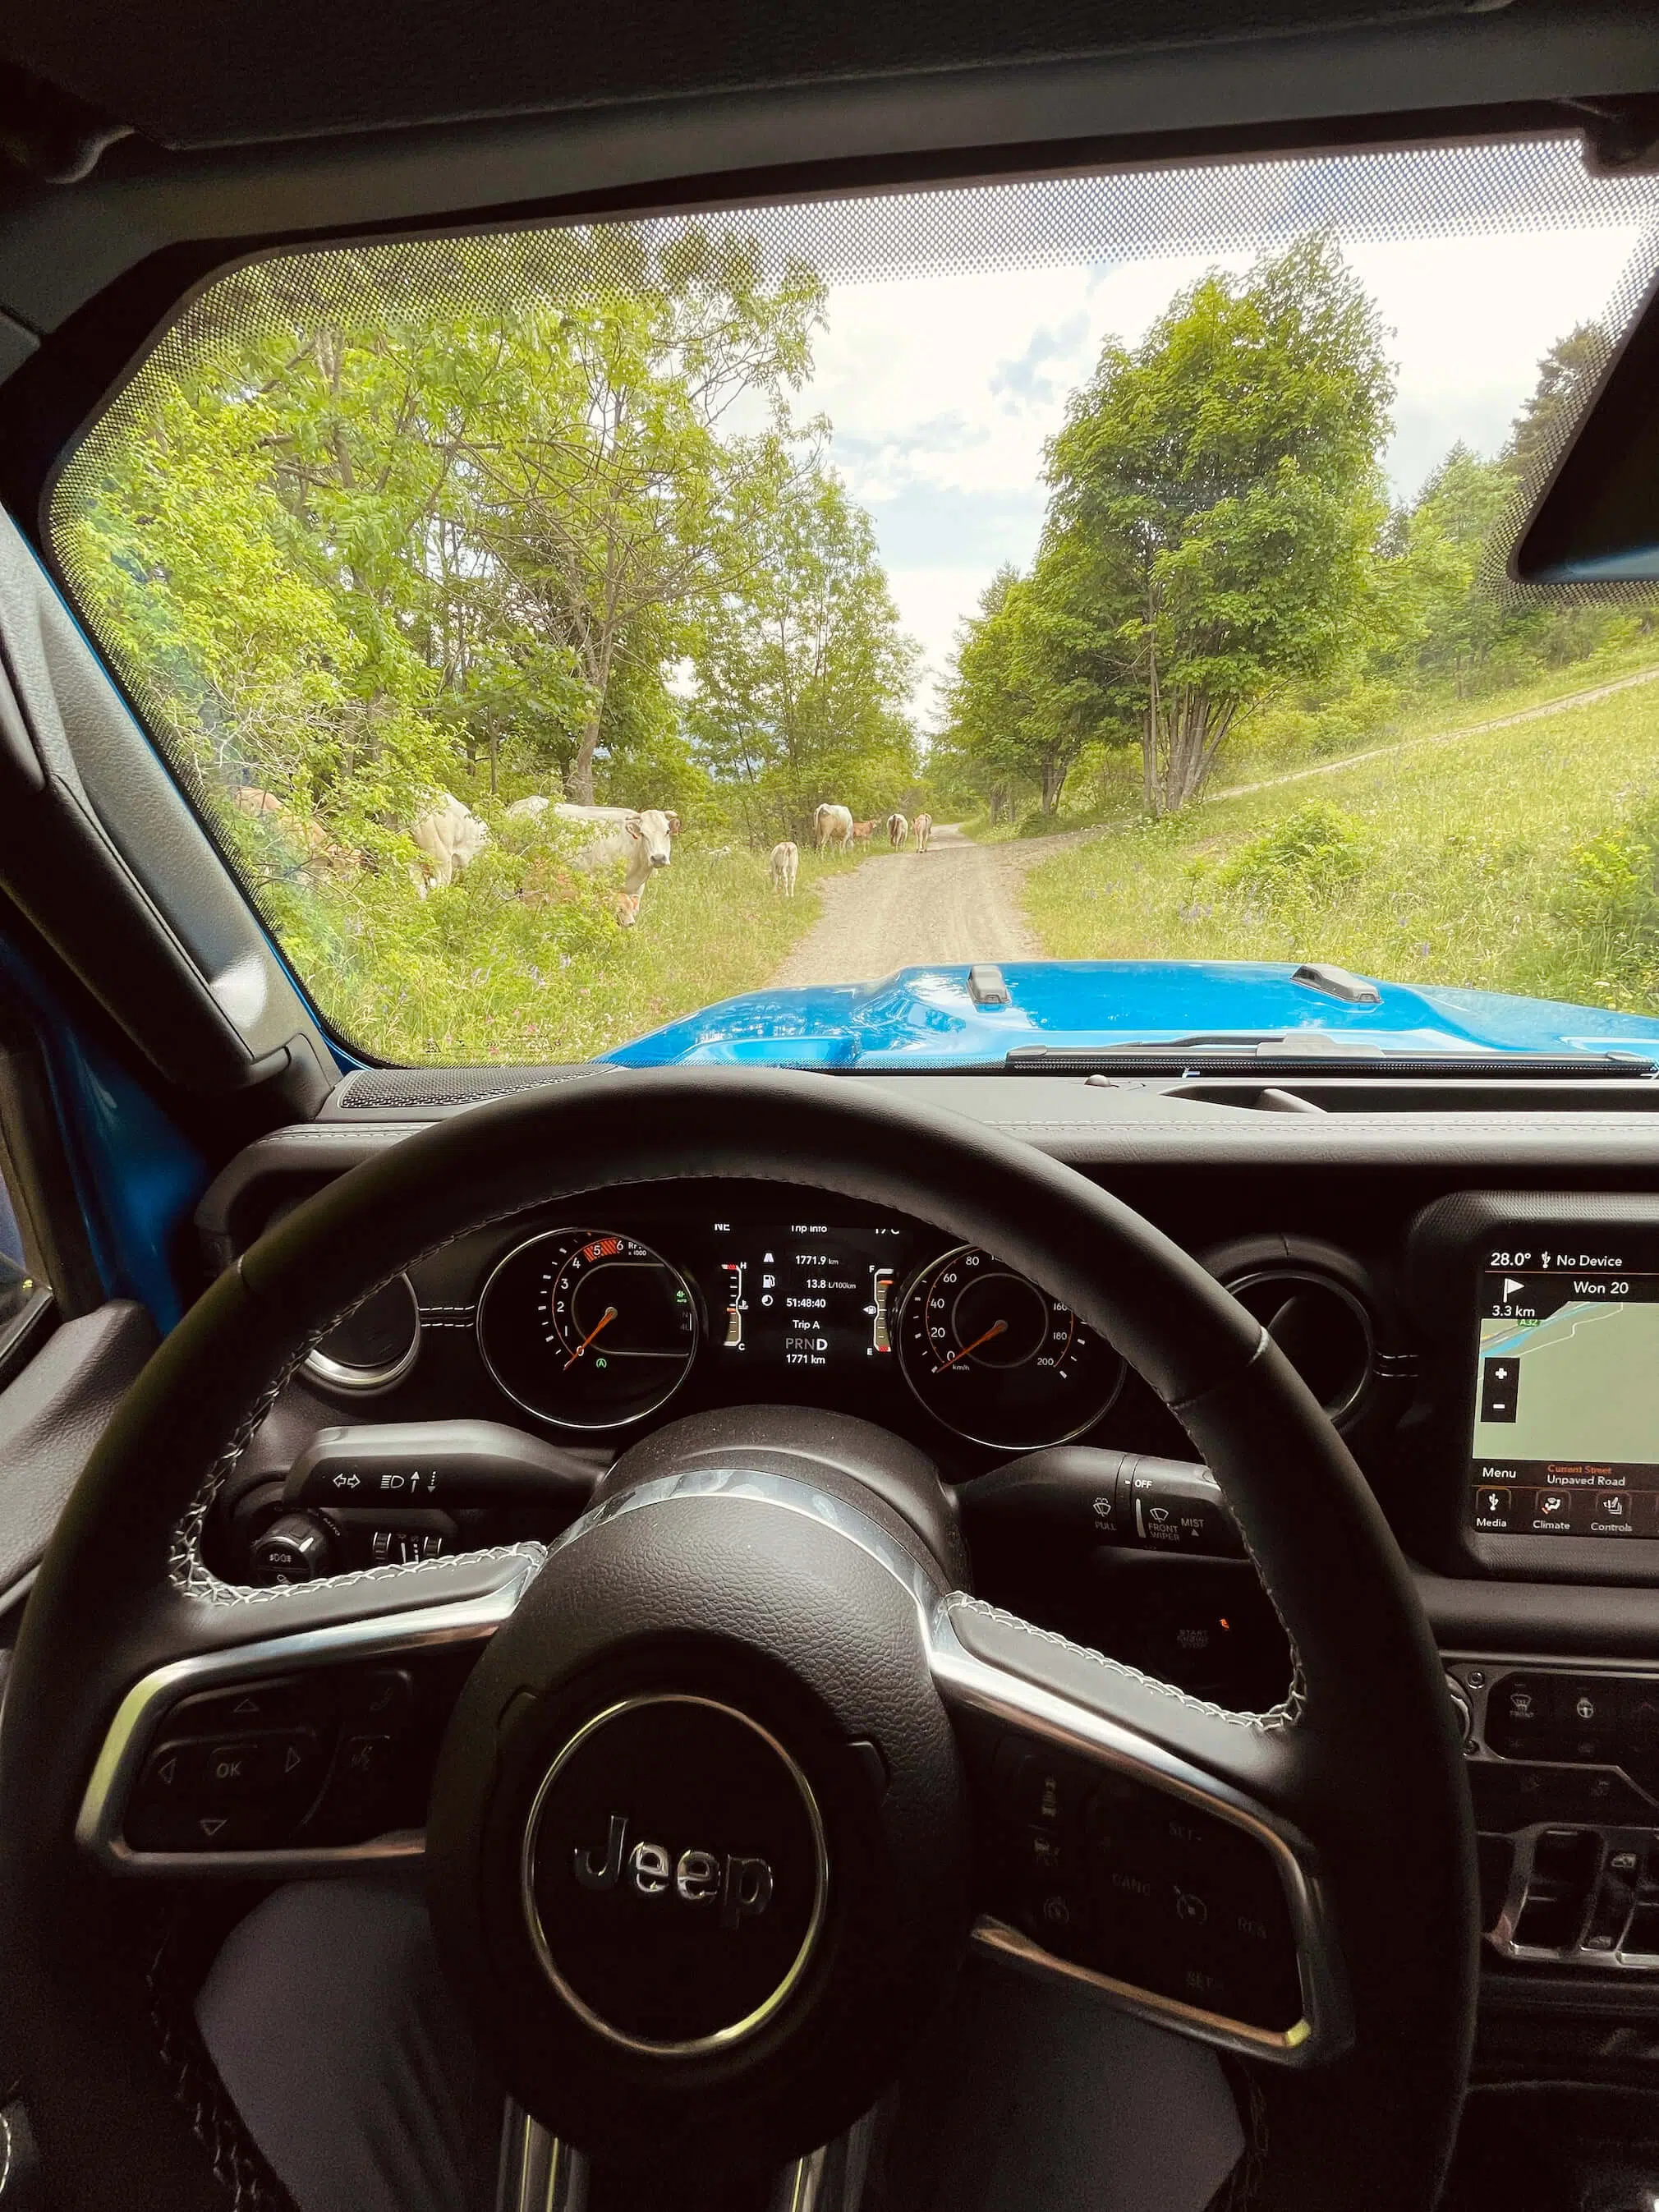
942,390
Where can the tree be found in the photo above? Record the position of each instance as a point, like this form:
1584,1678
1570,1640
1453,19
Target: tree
1566,375
1214,499
1025,694
1432,614
802,674
498,495
605,491
243,655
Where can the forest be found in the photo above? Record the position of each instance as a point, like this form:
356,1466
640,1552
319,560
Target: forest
549,514
1220,565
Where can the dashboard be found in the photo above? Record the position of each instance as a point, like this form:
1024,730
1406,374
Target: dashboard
1470,1287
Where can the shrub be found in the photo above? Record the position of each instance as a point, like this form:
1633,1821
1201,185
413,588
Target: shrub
1610,901
1310,854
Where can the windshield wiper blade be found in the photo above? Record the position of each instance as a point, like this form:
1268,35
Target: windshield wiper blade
1271,1055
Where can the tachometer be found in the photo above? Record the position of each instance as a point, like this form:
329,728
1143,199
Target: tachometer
587,1328
998,1360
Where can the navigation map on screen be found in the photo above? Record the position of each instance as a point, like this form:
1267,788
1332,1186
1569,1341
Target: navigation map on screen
1567,1413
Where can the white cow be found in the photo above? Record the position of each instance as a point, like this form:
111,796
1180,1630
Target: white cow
898,831
785,858
640,837
923,826
449,837
533,808
833,826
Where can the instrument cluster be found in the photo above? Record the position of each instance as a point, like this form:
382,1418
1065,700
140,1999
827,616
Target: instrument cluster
617,1313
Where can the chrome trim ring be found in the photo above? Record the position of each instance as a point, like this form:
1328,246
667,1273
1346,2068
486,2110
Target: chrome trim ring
339,1375
736,2031
1291,1271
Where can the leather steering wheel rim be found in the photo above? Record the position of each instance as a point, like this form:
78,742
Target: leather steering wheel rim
1366,1750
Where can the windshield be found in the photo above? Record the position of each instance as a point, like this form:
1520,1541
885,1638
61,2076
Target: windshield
567,630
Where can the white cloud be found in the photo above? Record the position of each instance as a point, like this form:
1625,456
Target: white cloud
942,390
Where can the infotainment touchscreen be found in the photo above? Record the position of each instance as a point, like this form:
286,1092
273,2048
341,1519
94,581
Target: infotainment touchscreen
1566,1400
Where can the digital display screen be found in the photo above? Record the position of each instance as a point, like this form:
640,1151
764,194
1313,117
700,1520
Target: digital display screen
1566,1413
803,1294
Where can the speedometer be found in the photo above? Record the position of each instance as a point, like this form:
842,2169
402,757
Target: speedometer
998,1360
587,1328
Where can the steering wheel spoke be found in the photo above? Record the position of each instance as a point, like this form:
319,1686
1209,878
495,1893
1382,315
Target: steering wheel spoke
308,1747
1155,1874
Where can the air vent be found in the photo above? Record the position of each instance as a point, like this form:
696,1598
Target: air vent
374,1346
1323,1329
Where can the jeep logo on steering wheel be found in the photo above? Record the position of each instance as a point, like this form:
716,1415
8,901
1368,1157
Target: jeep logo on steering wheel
742,1886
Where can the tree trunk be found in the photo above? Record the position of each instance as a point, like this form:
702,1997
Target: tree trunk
1152,777
579,776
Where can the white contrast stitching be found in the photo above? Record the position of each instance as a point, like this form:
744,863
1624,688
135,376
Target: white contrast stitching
1284,1715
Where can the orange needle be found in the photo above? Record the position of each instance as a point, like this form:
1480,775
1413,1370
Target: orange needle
604,1322
995,1329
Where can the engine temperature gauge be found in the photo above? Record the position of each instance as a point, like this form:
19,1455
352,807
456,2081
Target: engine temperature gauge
997,1360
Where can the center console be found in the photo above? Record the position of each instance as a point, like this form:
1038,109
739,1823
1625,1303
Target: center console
1563,1761
1540,1465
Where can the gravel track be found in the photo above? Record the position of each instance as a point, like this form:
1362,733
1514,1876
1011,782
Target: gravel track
958,901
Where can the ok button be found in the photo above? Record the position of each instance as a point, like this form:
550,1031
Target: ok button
233,1768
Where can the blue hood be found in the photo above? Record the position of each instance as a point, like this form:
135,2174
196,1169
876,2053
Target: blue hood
925,1016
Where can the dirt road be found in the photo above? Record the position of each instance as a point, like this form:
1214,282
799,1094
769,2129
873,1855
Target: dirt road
958,901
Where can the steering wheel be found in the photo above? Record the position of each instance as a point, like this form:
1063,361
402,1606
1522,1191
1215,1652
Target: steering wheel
743,1764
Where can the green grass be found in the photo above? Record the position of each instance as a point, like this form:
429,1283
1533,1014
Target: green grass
521,962
1516,861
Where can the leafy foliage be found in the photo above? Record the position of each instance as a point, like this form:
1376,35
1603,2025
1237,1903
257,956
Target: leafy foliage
477,534
802,669
1311,854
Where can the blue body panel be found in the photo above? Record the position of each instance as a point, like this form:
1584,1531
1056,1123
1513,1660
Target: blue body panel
924,1015
136,1176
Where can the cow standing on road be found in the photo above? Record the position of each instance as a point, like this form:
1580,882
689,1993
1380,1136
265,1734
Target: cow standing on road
785,858
898,832
832,828
923,826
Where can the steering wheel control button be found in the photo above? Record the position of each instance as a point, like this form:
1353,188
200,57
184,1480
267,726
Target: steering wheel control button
381,1697
323,1759
249,1705
675,1875
172,1774
1144,1886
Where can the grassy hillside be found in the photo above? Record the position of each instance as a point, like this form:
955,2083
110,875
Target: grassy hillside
1519,859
